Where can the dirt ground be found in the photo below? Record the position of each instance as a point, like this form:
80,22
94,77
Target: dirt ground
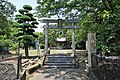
60,73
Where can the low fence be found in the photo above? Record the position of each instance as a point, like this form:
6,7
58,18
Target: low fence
19,65
106,67
10,68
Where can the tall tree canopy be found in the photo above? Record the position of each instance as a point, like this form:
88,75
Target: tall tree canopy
6,8
100,16
6,11
26,23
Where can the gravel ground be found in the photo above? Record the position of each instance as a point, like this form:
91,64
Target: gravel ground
61,73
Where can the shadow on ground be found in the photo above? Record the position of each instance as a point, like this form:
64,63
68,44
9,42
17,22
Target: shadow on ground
64,73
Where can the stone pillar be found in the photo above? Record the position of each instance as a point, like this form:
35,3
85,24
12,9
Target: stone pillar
73,41
91,47
38,47
46,38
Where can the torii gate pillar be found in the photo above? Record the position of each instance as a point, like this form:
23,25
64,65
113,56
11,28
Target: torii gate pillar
73,41
46,37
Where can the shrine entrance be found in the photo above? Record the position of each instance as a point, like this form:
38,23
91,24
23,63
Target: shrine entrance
59,25
60,42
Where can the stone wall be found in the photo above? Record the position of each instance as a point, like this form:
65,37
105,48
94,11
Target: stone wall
82,53
8,71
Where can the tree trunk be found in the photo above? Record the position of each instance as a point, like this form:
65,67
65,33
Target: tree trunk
26,50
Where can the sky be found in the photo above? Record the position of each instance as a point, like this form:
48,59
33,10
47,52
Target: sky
19,5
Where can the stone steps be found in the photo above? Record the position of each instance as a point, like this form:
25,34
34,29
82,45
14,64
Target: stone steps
59,61
46,66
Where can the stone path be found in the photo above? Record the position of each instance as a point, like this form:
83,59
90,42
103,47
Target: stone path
61,73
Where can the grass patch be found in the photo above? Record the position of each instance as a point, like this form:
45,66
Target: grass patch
34,52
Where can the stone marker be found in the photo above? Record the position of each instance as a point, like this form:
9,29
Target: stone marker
91,48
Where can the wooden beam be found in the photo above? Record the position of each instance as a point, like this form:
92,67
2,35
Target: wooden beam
63,27
56,20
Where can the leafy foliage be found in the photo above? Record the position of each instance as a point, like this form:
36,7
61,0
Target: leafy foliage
6,8
99,16
26,23
6,11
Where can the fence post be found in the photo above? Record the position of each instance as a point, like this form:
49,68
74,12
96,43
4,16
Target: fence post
19,65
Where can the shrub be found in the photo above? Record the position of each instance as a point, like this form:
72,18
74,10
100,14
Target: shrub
42,45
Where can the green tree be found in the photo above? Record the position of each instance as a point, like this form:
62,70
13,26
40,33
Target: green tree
26,24
105,22
6,11
41,37
58,33
100,16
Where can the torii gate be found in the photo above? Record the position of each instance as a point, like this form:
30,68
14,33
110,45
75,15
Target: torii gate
59,22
